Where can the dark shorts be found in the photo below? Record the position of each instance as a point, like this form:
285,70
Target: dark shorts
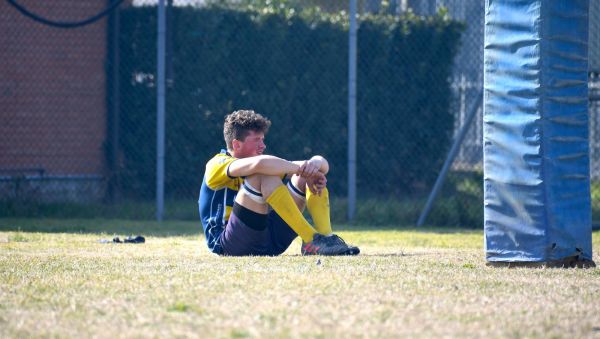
250,233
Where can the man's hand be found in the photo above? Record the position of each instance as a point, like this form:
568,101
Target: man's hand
309,169
317,183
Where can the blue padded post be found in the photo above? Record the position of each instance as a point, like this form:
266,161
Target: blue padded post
536,153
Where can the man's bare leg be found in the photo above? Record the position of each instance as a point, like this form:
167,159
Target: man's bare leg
298,191
280,199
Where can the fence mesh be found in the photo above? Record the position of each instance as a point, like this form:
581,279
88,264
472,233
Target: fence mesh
78,122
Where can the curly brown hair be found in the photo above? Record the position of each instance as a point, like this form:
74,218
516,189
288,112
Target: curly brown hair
239,123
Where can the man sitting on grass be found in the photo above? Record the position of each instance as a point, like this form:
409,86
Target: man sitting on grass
242,224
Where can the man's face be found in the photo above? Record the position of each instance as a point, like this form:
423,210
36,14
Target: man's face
253,145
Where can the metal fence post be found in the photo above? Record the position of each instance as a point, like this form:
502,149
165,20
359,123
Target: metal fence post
160,113
352,113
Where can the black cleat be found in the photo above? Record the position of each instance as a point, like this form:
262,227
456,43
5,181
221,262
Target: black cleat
328,245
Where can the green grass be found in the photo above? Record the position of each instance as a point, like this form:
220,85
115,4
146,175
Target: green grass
57,280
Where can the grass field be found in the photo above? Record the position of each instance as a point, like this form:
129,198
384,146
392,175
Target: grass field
58,280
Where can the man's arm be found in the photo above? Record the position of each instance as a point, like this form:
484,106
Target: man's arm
262,164
313,170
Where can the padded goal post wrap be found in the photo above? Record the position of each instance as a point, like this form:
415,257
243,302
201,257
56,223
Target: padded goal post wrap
536,152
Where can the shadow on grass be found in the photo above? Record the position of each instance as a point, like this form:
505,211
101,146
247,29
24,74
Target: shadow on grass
103,226
408,228
362,254
392,255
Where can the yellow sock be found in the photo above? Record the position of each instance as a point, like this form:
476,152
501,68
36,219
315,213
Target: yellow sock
318,207
283,203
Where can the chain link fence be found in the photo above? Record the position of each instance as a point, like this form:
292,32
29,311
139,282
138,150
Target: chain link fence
53,106
78,122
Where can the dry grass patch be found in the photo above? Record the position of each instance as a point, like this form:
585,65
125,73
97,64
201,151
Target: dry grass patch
405,283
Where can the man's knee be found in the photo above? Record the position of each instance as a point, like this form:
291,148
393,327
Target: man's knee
298,183
251,189
324,164
325,160
254,180
258,180
264,184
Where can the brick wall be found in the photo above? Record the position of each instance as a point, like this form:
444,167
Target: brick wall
53,108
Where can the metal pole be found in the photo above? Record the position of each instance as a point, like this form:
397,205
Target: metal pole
451,155
352,113
169,46
160,113
114,185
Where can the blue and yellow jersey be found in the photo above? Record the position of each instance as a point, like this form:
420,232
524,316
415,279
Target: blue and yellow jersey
217,194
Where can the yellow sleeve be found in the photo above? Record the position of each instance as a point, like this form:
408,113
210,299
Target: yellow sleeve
216,172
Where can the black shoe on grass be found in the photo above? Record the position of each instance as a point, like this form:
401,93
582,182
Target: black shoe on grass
328,245
135,240
337,240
